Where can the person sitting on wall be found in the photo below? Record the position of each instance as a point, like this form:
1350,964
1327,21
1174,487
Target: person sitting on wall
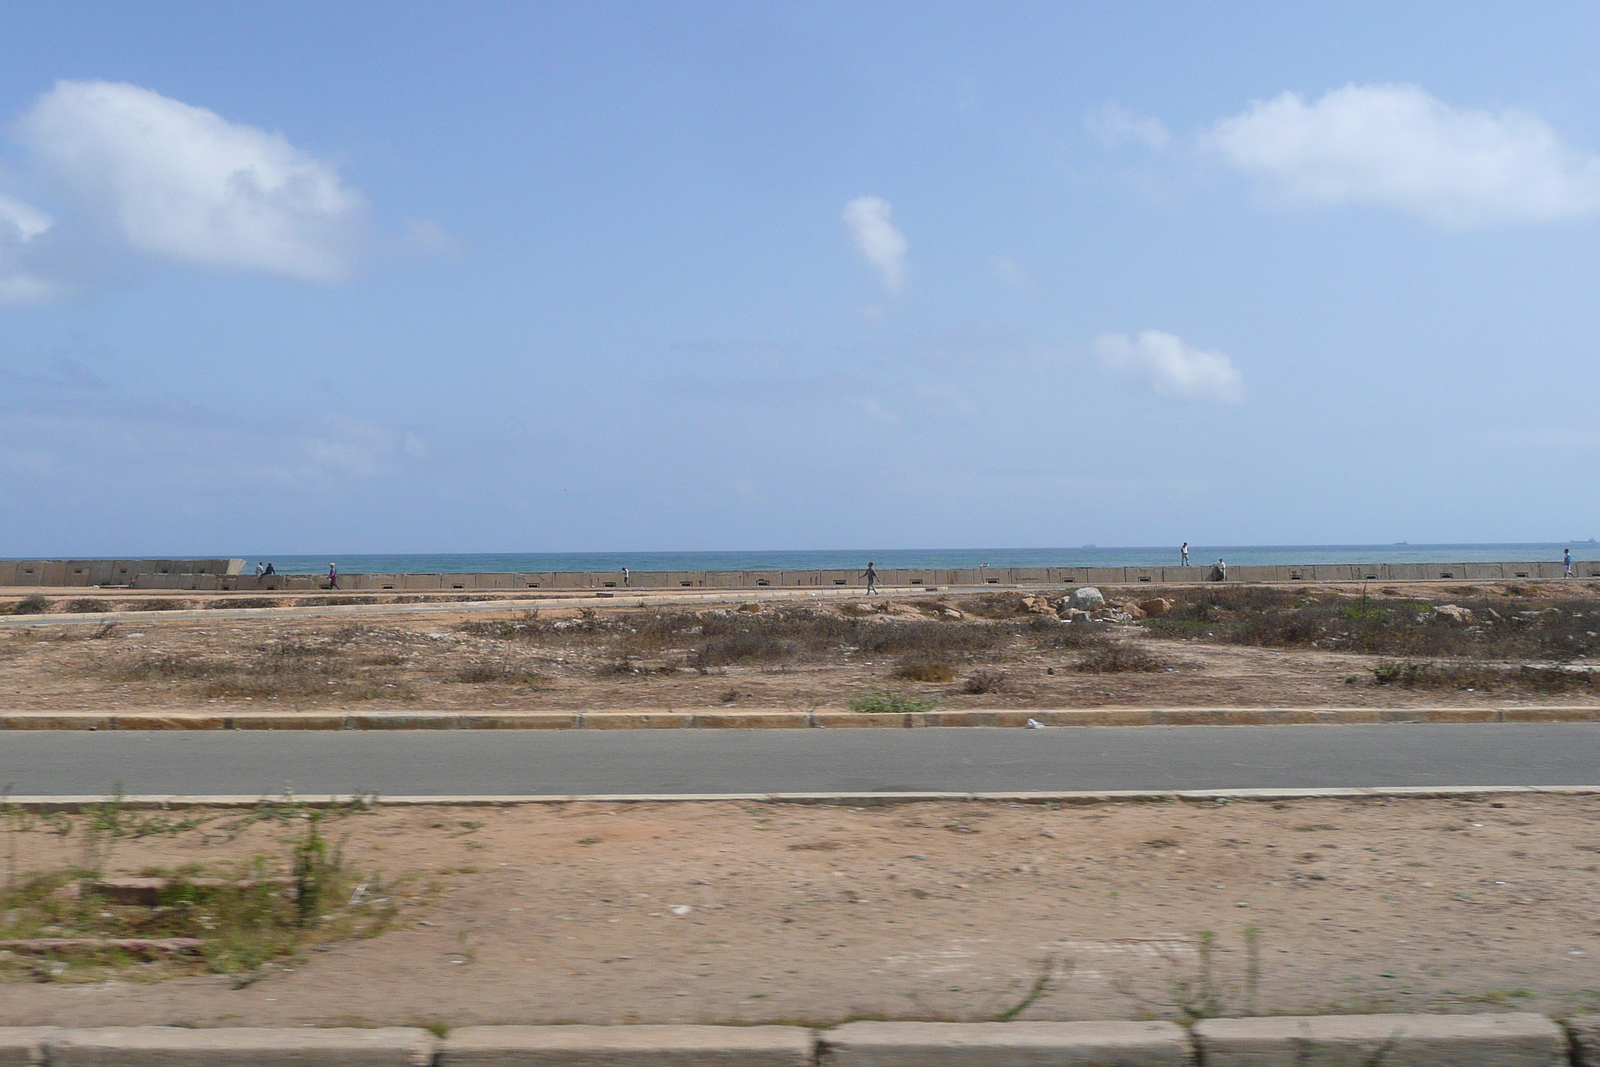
270,570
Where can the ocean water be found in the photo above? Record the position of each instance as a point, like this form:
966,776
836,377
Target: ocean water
884,558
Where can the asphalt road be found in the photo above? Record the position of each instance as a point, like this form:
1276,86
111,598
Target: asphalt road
749,761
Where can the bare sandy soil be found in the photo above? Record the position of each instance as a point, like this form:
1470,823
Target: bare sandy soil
724,912
449,662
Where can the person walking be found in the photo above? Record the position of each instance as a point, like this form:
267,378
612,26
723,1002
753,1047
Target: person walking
872,579
1566,562
333,576
624,576
1184,552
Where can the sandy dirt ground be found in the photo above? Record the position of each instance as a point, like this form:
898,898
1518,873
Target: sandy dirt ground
438,662
727,913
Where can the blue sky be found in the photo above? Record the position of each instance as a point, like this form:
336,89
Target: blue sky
389,277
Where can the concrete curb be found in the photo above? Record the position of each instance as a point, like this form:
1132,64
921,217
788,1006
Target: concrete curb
1511,1040
1091,1044
628,1046
1491,1040
173,1046
156,802
776,718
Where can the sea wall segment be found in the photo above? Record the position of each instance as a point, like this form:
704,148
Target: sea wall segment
225,574
28,573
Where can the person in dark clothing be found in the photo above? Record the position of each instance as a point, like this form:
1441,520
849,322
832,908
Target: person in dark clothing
333,576
872,579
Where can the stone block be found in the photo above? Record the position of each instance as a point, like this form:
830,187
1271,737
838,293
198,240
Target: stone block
23,1046
1484,572
1082,1044
1101,576
1518,1039
458,581
627,1046
1251,573
8,573
1585,1033
77,572
751,720
172,1046
724,579
573,580
637,720
420,581
524,720
807,579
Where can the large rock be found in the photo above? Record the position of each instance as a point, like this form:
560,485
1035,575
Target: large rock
1087,599
1155,606
1452,614
1038,605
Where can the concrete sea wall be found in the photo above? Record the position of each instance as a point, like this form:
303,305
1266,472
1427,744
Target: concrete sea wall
224,574
91,572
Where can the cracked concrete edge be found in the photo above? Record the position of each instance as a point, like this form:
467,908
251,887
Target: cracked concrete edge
159,801
779,718
1509,1039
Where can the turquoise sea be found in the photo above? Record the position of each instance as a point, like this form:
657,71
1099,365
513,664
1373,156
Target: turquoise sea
830,559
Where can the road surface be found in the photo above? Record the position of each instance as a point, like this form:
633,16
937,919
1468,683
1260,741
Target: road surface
75,763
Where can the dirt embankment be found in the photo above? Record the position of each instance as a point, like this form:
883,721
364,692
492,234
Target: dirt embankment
723,912
1224,646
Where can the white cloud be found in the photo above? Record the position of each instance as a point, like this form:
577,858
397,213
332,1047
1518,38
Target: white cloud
1172,367
186,447
1398,147
181,182
1006,270
1115,125
866,220
20,226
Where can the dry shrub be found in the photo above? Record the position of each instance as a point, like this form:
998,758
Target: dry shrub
86,605
919,669
1050,636
740,648
159,604
248,602
1119,657
299,669
1267,618
985,680
1412,674
32,604
498,674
